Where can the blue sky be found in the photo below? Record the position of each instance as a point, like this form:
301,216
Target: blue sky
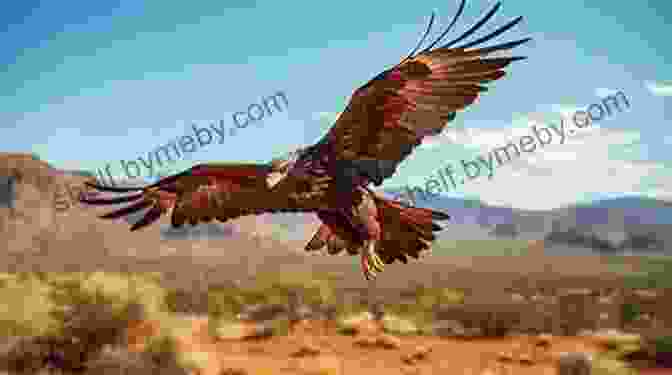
87,85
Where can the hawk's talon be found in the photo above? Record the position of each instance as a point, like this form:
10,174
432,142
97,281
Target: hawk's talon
372,264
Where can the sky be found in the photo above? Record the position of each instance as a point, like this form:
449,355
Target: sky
91,84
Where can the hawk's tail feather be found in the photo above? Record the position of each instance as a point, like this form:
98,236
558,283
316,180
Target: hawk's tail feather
110,200
415,211
135,207
416,232
420,220
113,189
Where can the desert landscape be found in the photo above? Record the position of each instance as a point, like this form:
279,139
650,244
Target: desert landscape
83,295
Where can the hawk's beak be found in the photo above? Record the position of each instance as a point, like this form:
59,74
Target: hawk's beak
273,178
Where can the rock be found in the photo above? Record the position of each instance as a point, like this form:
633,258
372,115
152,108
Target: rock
384,341
261,312
306,350
574,364
646,294
525,359
418,354
543,340
299,315
377,310
517,297
447,328
365,341
505,356
388,342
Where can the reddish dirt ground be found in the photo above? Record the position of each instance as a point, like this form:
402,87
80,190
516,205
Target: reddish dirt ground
341,354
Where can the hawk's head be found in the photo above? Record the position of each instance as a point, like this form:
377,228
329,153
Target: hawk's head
281,167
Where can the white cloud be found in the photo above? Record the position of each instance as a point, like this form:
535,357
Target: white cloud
590,161
562,173
660,88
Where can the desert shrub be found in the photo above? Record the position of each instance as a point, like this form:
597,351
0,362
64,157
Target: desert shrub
187,301
401,326
428,298
494,320
630,312
278,288
421,304
348,324
90,322
662,344
652,274
22,354
609,366
93,310
25,306
117,289
162,351
224,302
115,361
272,289
648,280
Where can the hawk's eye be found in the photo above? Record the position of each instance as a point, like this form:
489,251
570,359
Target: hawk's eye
276,163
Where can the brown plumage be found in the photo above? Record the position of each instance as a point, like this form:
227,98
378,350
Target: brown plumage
382,124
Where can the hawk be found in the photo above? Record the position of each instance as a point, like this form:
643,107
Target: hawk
384,121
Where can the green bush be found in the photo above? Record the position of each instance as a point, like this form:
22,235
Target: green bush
662,344
651,275
630,312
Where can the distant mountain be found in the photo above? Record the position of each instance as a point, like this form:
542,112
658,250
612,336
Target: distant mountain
638,225
79,173
616,225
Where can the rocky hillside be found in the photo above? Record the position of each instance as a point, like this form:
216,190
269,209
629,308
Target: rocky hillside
45,228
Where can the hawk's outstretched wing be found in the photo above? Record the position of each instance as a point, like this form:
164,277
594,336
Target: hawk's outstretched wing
390,115
204,192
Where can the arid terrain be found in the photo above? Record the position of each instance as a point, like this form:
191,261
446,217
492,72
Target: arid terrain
460,313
